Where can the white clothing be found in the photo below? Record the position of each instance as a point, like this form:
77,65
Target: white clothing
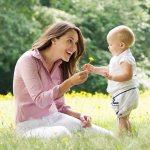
56,125
125,94
115,69
123,102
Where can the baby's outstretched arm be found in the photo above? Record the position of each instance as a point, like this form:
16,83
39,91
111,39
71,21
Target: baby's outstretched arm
103,71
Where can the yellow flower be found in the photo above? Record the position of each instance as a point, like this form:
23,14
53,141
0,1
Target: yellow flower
91,59
66,139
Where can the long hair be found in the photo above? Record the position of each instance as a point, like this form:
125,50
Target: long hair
56,31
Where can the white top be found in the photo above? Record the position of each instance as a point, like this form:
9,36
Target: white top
115,68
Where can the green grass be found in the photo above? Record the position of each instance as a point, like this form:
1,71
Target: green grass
99,109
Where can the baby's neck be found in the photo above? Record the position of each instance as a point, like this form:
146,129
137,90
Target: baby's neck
120,52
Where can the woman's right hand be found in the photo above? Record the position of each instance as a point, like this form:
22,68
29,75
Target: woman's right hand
79,77
76,79
88,67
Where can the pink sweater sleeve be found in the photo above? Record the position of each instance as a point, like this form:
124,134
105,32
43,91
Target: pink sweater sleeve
61,105
29,74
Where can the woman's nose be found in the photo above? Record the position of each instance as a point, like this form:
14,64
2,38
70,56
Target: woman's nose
74,47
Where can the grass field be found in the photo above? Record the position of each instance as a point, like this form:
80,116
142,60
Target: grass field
97,106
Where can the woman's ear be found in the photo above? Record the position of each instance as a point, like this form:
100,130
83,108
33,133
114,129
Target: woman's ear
53,41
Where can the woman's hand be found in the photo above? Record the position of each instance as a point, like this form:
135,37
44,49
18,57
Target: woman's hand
76,79
79,78
88,67
86,121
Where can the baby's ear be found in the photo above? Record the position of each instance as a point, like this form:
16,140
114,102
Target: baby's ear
122,44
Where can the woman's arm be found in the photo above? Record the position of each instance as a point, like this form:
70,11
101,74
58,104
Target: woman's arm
73,113
86,120
29,73
76,79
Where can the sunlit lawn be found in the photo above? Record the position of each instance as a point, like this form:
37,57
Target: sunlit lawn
97,106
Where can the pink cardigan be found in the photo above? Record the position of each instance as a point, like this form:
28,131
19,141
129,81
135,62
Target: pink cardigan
35,88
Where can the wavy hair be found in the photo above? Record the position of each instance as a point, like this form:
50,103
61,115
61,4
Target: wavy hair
56,31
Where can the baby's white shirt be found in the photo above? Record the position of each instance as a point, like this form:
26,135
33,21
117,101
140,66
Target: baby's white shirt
115,69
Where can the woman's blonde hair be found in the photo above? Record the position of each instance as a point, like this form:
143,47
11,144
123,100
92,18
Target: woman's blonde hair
56,31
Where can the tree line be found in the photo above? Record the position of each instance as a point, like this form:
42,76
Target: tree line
22,22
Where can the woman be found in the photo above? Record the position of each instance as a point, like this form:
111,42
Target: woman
41,78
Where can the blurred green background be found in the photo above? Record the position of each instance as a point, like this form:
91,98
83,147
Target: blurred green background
22,22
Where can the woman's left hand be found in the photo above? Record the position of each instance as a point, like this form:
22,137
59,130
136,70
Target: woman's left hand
86,121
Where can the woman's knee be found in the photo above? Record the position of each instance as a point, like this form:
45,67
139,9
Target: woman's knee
61,131
69,122
48,132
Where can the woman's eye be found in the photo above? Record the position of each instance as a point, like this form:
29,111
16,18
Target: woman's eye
70,41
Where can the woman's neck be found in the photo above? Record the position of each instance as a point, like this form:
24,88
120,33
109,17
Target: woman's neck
48,55
49,58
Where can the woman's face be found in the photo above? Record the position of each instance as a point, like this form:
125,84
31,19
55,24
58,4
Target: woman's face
66,45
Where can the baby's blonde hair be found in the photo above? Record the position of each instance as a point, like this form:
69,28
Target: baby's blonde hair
124,33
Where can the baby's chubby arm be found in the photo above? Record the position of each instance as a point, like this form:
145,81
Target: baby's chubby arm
103,71
124,76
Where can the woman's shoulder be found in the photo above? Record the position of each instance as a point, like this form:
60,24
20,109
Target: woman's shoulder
26,57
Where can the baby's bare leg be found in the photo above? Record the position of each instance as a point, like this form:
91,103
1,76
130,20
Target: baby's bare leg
124,124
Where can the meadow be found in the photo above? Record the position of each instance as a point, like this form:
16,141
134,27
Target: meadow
98,107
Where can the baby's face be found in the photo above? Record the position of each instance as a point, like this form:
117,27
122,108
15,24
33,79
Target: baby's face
114,44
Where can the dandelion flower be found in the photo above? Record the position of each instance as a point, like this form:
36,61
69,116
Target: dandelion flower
91,59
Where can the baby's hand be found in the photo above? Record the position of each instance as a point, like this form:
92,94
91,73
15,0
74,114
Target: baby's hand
88,67
107,75
103,73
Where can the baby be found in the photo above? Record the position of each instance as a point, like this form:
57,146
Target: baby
121,74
